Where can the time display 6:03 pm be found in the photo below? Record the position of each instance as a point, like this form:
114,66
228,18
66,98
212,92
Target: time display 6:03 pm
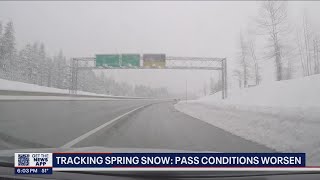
33,171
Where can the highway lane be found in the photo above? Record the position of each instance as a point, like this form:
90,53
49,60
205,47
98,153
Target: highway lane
160,126
54,123
30,124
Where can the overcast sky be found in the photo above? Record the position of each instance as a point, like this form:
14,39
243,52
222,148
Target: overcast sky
178,28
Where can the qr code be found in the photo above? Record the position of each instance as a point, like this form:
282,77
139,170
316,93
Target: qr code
23,159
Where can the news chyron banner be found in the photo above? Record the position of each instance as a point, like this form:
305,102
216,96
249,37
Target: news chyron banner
46,163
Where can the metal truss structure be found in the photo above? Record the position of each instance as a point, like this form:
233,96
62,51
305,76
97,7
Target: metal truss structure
178,63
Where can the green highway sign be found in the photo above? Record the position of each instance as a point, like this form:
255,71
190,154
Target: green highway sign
110,60
130,60
117,60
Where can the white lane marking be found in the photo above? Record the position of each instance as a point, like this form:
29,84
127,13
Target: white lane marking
82,137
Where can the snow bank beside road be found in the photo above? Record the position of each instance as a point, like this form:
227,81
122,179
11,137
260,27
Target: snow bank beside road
14,90
302,92
282,115
20,86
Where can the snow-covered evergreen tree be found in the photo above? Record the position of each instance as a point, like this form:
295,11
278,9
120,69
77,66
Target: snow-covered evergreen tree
32,65
8,50
42,65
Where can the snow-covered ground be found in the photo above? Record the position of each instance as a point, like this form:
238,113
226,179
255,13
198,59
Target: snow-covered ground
282,115
20,86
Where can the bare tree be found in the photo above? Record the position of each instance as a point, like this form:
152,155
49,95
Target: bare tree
273,22
252,51
316,55
307,35
205,89
308,45
215,86
241,71
212,86
238,75
244,61
301,52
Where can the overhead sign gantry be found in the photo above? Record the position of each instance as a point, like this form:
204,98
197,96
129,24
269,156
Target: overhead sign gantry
148,61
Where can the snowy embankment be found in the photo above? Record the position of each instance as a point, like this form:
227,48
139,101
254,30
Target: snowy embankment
282,115
14,86
20,86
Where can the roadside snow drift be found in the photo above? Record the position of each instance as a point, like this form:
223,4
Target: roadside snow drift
282,115
15,86
20,86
